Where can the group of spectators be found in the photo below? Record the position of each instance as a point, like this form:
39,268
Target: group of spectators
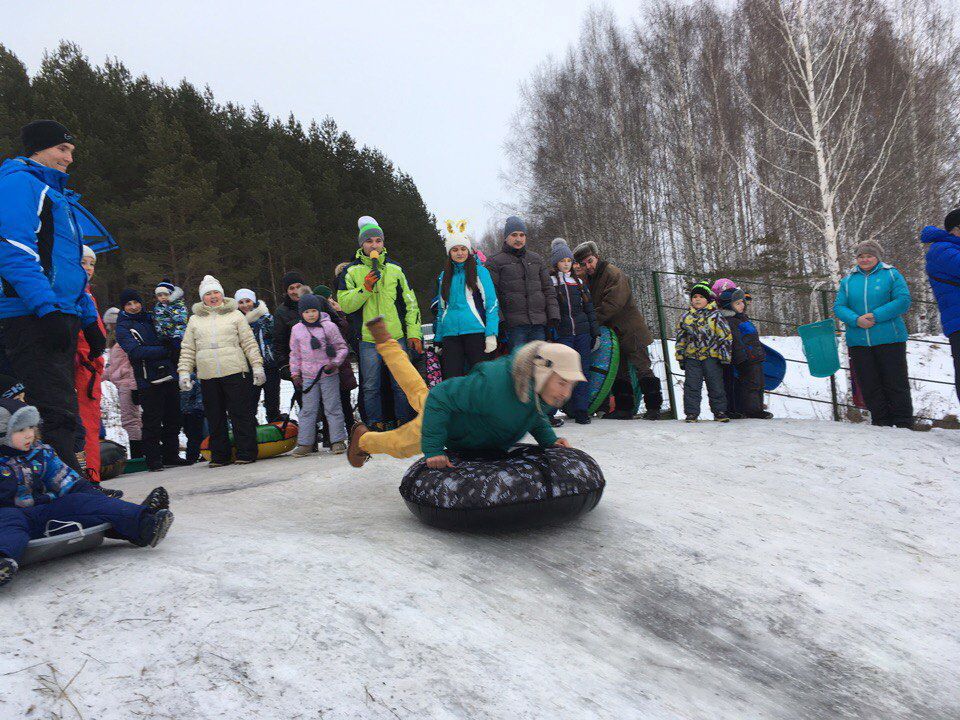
205,371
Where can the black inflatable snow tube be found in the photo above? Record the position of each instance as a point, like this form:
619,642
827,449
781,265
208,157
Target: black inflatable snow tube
527,487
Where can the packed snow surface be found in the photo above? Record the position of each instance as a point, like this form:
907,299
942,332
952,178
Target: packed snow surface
779,569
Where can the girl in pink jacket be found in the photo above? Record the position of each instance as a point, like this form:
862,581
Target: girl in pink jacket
317,350
120,373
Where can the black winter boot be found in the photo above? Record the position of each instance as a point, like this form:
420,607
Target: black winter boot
136,448
153,528
157,499
8,568
109,492
652,397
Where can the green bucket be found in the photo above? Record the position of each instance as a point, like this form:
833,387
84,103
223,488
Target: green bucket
820,348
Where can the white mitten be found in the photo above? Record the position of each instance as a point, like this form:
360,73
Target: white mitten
491,344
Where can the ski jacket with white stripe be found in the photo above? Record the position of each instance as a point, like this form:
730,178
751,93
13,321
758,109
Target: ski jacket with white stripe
40,244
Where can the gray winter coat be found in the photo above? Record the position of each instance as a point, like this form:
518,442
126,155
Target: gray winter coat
524,288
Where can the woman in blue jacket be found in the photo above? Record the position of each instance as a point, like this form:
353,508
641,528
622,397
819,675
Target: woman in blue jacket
871,302
468,315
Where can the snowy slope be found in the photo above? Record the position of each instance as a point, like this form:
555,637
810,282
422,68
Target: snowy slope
788,569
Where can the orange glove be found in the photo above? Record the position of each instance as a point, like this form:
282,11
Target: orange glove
370,280
416,344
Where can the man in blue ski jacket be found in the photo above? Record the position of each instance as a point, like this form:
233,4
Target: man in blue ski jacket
943,271
43,305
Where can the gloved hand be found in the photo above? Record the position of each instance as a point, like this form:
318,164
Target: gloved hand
682,364
330,369
370,280
553,323
416,344
55,327
95,339
186,384
595,345
259,377
296,380
490,344
437,348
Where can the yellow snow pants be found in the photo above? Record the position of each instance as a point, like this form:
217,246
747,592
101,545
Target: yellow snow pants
403,442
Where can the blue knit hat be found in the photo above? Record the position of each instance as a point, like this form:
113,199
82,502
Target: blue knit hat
559,250
308,302
513,224
728,297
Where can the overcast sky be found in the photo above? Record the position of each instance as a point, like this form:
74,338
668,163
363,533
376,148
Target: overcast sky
432,84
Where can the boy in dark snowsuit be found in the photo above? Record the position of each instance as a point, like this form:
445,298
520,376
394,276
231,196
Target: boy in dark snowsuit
578,328
747,356
36,488
702,348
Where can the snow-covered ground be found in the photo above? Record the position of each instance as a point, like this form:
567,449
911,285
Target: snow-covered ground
926,362
783,569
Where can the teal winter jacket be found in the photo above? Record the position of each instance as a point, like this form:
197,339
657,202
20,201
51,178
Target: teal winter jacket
883,292
466,312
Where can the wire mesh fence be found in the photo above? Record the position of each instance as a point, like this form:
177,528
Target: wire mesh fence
778,309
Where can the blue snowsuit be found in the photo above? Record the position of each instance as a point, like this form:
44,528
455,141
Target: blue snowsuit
37,488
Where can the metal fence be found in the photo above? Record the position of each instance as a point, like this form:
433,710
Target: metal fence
669,292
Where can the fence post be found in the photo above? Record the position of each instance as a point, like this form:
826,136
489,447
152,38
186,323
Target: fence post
662,321
825,306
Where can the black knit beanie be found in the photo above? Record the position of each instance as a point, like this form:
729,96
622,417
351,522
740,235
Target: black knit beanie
291,277
952,220
42,134
702,289
128,295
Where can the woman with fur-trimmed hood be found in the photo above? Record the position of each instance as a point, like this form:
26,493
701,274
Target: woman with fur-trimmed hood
261,322
492,408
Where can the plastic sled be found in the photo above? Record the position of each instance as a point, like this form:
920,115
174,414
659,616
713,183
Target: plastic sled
820,348
272,439
58,543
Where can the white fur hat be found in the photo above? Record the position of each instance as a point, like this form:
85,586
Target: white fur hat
457,235
88,252
209,283
245,294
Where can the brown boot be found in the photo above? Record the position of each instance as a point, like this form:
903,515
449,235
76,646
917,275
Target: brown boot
356,456
378,328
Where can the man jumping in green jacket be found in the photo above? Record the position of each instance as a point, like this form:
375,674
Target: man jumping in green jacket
377,287
492,408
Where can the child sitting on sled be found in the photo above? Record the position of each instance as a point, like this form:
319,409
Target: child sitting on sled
745,397
36,488
491,408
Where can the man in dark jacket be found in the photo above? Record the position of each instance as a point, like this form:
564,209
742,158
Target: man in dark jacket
615,308
152,360
528,303
43,303
943,271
